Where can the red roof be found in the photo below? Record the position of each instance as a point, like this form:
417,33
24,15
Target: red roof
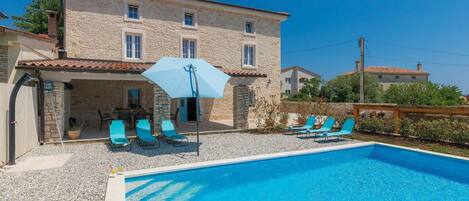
391,70
80,65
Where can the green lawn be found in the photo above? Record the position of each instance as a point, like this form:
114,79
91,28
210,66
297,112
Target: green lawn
414,143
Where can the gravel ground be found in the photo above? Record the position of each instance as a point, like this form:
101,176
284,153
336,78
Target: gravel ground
85,175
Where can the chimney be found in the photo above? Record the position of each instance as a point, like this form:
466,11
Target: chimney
357,66
52,27
419,67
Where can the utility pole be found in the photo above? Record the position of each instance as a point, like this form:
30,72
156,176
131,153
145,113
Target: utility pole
361,44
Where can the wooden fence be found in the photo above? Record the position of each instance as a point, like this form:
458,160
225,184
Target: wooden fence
400,111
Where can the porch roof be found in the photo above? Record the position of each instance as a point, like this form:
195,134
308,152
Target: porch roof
109,66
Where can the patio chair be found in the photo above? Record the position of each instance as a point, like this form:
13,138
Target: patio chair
326,127
168,131
308,125
144,136
347,129
117,135
104,118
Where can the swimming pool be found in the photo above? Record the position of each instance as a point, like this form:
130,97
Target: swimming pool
368,171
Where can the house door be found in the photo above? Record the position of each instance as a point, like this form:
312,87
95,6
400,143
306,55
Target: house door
191,109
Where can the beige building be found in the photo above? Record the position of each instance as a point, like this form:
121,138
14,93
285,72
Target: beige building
293,79
388,75
108,43
17,45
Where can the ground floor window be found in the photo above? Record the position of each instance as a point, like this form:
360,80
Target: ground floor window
134,98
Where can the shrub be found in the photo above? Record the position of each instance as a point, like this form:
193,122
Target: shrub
268,116
423,93
377,125
445,129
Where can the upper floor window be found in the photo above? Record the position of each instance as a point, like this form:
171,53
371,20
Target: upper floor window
133,46
287,80
249,27
249,58
132,12
189,48
189,19
303,80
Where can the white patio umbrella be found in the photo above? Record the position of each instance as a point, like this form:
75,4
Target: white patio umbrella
188,78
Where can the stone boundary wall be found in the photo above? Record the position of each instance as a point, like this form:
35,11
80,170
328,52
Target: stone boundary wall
337,109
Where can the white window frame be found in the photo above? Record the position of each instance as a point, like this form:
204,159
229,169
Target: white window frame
194,20
253,27
127,31
255,61
189,37
128,3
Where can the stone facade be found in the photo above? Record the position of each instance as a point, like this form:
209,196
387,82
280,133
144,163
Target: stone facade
95,30
54,108
241,105
3,64
162,108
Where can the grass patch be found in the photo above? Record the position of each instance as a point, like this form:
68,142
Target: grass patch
440,147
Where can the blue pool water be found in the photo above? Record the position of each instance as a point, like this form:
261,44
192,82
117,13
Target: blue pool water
373,172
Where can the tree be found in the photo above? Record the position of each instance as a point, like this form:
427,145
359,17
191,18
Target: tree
310,91
423,93
34,19
346,88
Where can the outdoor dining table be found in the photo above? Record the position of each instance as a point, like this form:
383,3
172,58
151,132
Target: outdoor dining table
132,114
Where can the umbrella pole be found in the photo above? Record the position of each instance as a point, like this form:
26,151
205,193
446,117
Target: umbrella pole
197,100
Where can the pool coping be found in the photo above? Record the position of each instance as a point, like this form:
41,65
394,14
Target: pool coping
115,190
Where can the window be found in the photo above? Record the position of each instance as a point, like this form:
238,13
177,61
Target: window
287,92
134,96
133,46
189,19
287,80
132,12
249,27
397,77
303,80
249,55
380,76
413,77
189,48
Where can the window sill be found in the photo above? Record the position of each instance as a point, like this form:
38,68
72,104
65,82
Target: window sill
250,34
249,67
190,27
132,60
126,19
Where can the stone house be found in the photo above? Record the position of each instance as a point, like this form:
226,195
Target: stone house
16,45
388,75
109,43
293,79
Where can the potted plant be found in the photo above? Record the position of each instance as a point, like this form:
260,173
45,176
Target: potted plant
74,129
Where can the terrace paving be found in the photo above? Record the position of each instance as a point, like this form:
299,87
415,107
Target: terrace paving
85,175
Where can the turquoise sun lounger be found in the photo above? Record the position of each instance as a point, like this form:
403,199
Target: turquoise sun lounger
347,129
168,131
117,134
308,125
326,127
144,136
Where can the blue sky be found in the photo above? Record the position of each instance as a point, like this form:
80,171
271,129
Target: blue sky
398,33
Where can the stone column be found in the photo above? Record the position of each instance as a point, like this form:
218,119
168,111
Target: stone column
54,109
241,107
161,107
3,64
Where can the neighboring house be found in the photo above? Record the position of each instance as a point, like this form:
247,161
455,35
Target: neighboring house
18,45
294,78
388,75
108,44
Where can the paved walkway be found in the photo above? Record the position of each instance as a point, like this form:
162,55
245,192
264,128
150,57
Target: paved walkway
85,175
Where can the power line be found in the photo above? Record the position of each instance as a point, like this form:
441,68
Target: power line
320,47
371,56
429,50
